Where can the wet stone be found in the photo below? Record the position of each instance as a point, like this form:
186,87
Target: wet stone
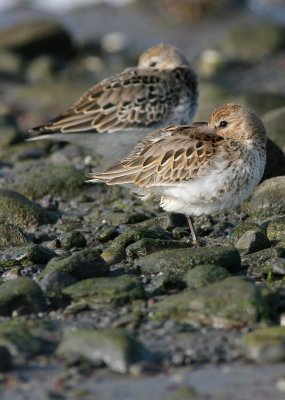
106,233
55,281
40,254
55,180
265,345
18,339
232,301
106,291
243,227
5,359
11,235
17,209
116,252
22,295
176,262
268,199
204,274
73,239
148,246
115,348
81,265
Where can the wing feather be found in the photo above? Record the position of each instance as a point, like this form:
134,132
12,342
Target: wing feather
165,157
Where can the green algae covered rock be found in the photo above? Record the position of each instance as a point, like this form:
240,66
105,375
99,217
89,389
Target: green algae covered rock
265,344
204,274
232,301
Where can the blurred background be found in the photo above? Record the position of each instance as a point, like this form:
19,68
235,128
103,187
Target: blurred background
52,51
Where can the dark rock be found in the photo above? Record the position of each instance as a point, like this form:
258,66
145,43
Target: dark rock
106,291
55,180
268,199
148,246
17,209
116,252
176,263
114,348
55,281
204,274
274,122
275,161
38,37
265,345
16,336
73,239
22,295
106,233
232,301
40,254
5,359
81,265
11,235
254,42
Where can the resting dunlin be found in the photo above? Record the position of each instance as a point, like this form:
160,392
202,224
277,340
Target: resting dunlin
119,111
196,169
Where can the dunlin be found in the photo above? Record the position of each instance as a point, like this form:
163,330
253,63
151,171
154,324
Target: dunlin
115,114
196,169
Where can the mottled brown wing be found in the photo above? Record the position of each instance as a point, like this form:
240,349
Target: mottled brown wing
134,98
165,157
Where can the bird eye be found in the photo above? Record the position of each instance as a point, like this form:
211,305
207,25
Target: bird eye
223,124
152,64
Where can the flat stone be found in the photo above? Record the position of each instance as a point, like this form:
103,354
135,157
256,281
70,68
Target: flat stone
114,348
81,265
265,345
18,210
22,295
51,179
176,262
232,301
106,291
148,246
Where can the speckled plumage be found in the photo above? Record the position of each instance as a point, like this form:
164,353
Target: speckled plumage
197,169
161,91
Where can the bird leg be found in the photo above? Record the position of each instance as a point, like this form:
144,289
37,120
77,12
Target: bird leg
192,230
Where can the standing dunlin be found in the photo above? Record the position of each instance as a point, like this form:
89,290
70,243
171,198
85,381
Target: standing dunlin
197,169
119,111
